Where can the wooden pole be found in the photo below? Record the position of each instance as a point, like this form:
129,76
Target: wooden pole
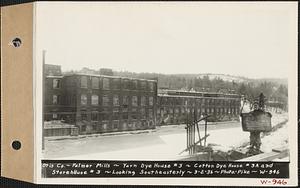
43,98
193,137
187,134
198,133
186,149
190,150
194,131
205,131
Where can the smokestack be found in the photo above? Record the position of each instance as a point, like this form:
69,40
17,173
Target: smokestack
106,71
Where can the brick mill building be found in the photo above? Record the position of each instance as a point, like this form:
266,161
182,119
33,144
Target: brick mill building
99,103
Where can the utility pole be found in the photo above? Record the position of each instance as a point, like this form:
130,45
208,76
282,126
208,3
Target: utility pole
43,100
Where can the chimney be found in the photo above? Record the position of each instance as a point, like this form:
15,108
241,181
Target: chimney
106,71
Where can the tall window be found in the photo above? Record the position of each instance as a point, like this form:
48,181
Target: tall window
83,99
95,83
83,82
191,102
54,116
116,100
150,101
105,83
115,116
150,113
143,85
115,124
185,102
125,101
134,101
125,116
198,101
143,101
133,84
116,83
178,101
170,101
56,83
133,115
105,101
73,99
84,116
151,86
95,100
125,84
94,116
55,99
143,113
105,117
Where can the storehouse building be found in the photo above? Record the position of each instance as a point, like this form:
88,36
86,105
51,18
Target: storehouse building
100,103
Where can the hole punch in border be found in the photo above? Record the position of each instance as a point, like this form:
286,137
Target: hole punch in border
16,42
16,145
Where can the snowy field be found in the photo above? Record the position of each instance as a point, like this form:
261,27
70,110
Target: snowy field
163,143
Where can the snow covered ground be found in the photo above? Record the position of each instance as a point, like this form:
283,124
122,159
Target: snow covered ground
276,139
163,143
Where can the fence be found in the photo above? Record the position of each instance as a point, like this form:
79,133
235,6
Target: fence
191,127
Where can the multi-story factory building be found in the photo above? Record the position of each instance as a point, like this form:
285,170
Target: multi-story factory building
100,103
175,107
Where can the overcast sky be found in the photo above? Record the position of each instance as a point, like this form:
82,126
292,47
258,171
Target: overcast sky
247,39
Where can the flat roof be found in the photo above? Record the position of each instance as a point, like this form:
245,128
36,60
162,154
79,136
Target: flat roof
53,76
96,75
195,92
197,97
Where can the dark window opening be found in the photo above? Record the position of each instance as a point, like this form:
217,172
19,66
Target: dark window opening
95,83
56,83
84,82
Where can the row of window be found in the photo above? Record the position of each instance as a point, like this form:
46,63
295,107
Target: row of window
95,116
106,100
191,110
182,101
116,100
95,127
110,83
116,83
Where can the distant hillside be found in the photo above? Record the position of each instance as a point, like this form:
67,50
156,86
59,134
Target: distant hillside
225,77
283,81
273,88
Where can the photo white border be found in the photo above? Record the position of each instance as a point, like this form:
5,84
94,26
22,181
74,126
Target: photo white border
293,129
